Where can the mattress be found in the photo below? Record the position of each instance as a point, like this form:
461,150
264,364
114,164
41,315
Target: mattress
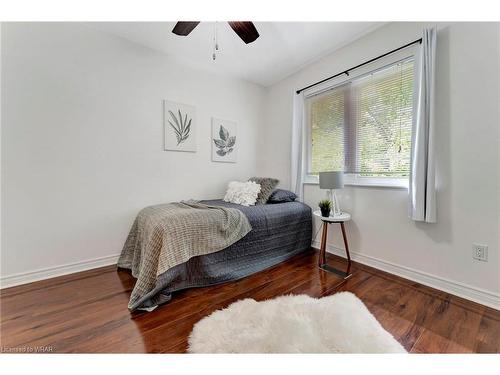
279,232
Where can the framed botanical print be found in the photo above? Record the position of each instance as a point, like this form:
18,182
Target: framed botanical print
179,126
224,141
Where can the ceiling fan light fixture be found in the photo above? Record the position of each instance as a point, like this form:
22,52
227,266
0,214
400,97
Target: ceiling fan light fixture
246,30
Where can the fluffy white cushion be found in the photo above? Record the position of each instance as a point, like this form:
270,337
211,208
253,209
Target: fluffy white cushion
244,193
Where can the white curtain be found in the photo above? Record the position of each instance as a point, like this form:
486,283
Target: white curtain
297,157
422,189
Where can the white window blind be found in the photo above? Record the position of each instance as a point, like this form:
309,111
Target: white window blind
364,126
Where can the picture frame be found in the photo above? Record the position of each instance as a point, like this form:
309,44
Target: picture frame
225,142
179,126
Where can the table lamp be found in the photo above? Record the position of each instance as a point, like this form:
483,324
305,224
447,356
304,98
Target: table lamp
332,180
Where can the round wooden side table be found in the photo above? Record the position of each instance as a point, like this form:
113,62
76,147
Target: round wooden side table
338,219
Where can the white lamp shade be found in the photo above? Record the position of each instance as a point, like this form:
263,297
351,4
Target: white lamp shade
331,180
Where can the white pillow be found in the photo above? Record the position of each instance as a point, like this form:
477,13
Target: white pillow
244,193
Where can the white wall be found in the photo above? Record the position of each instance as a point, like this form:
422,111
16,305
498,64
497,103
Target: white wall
468,121
82,142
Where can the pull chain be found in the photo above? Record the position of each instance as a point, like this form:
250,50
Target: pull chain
216,45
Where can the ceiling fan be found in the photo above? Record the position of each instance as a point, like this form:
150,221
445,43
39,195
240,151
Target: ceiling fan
245,30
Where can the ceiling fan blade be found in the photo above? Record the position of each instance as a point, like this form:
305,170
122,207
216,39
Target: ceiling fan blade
245,30
184,27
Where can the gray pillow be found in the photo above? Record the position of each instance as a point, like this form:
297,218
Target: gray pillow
267,186
281,195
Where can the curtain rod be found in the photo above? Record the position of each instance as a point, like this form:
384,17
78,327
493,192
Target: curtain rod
360,65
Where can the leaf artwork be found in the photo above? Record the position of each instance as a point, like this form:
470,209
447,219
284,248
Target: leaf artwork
226,143
181,126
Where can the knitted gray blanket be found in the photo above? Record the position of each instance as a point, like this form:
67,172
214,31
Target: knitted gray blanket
166,235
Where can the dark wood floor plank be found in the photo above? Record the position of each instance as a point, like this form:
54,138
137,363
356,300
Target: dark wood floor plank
488,337
87,312
450,328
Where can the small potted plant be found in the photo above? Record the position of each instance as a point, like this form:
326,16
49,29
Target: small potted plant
325,206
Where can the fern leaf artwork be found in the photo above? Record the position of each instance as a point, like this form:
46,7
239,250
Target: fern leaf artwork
224,141
179,127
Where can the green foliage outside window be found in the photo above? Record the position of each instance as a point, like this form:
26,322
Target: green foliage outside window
366,123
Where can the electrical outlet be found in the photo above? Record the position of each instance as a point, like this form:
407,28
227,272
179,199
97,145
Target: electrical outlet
480,252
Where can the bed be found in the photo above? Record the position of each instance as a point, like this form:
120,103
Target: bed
279,232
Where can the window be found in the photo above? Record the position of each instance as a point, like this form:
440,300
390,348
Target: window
363,126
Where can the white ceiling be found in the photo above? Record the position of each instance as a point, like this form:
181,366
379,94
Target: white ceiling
282,48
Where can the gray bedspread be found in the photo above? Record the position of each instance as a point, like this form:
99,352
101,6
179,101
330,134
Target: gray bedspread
279,231
166,235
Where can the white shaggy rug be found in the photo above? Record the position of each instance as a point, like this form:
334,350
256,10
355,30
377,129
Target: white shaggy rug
340,323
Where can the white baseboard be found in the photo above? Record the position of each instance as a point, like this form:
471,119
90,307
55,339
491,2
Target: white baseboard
50,272
478,295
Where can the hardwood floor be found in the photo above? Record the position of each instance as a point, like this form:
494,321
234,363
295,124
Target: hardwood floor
87,312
